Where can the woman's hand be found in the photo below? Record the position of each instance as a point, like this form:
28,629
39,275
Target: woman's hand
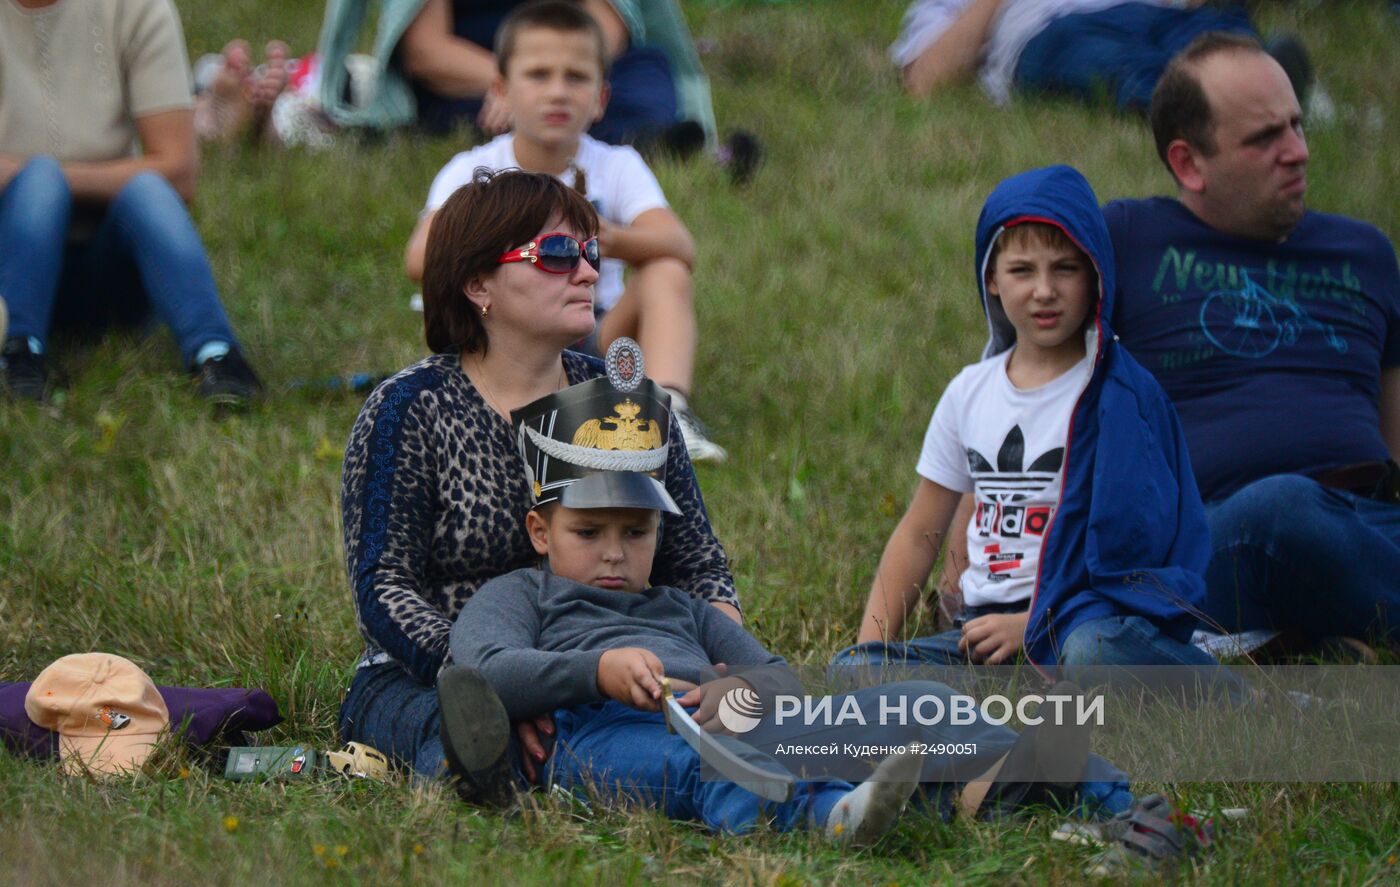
533,753
994,639
632,676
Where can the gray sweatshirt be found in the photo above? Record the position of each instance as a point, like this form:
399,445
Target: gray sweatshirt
538,637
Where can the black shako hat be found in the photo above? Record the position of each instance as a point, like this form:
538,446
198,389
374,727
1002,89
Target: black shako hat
600,443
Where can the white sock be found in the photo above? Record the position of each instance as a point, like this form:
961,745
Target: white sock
210,350
870,809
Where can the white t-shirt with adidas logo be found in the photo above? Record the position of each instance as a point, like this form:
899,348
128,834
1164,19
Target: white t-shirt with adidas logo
1006,446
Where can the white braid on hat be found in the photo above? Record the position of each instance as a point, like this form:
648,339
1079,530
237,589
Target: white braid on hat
598,460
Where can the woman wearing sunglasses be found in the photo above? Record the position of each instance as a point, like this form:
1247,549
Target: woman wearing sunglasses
433,498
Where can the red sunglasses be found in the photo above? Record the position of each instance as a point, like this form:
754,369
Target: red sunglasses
556,253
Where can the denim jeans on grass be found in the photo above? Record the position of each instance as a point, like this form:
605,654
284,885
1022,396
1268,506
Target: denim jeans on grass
615,749
612,746
607,744
387,709
1097,652
1291,554
932,650
144,254
622,752
1129,652
1117,53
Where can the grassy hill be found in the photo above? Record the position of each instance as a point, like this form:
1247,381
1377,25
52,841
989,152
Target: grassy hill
836,299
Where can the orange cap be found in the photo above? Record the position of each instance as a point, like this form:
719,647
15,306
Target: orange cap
107,712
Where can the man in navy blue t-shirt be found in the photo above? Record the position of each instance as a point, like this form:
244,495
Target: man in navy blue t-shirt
1276,332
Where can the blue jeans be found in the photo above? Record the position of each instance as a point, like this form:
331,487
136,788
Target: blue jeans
620,750
643,99
390,711
932,650
612,747
1111,650
1118,52
608,745
1291,554
1099,651
144,254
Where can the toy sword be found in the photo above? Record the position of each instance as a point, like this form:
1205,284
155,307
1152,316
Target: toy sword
770,784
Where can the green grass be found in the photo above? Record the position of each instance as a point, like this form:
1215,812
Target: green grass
836,300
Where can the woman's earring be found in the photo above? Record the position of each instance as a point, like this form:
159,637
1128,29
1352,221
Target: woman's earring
485,310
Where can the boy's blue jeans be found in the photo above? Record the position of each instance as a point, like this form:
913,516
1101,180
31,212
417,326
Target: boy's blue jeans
623,752
620,750
390,711
1119,52
611,746
608,745
1099,651
144,254
935,649
1112,640
1291,554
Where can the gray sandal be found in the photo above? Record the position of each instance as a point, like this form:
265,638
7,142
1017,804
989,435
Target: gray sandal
1152,831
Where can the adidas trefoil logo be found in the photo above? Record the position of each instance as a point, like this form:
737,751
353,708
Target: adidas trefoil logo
1010,481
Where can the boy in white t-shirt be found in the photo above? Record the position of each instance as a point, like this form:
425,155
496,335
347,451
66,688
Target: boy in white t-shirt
552,70
1088,541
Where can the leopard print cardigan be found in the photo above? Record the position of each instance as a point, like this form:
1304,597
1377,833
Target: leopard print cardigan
434,499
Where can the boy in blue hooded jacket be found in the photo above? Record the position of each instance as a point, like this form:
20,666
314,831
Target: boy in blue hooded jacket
1088,541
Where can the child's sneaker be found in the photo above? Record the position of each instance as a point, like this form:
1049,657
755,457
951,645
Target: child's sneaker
26,372
871,808
227,379
697,441
741,155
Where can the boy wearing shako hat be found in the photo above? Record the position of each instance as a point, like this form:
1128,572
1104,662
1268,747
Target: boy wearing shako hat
587,638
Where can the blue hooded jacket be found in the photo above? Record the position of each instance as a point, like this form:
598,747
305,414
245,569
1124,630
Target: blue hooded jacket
1129,537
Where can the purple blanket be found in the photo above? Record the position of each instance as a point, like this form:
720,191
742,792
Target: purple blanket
205,716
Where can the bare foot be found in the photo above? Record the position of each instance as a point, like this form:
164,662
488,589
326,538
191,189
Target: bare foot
223,111
267,83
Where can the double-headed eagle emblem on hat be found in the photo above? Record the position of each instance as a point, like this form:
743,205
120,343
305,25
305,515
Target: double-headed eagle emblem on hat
601,443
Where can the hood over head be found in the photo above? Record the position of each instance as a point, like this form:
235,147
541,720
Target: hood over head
1056,195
